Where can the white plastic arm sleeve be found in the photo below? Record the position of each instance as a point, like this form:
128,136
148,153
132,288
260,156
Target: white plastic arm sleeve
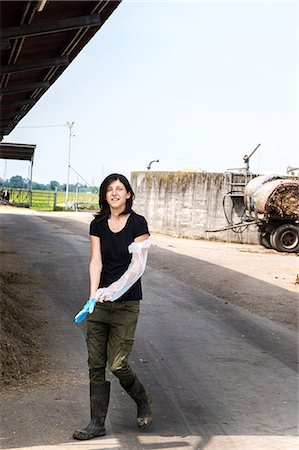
135,270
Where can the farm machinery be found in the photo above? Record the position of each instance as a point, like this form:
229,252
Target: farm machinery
272,202
269,202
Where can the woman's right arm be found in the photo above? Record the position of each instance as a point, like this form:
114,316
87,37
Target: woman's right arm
95,265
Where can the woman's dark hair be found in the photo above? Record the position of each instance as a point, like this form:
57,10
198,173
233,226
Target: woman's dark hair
104,212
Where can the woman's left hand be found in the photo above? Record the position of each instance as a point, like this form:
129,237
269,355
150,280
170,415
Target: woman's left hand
103,295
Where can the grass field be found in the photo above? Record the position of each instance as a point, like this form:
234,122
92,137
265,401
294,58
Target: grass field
45,200
83,197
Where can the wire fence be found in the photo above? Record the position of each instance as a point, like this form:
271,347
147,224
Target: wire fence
51,200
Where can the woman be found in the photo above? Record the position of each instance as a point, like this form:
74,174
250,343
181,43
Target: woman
119,242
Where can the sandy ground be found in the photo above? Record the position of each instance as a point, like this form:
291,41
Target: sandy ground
259,280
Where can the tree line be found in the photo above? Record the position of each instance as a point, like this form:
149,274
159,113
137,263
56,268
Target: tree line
18,182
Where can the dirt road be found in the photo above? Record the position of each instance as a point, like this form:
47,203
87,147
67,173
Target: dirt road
221,377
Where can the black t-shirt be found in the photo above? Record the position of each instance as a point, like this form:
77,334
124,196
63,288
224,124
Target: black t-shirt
114,248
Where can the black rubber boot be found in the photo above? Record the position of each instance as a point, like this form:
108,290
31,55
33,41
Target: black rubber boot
99,400
143,402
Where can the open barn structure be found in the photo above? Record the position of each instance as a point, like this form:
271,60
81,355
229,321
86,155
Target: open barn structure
39,39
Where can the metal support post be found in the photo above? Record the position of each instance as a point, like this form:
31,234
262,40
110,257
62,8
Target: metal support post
70,126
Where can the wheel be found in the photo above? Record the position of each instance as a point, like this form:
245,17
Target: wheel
285,238
271,239
264,239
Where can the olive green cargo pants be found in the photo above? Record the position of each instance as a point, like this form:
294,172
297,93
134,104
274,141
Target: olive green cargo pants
110,336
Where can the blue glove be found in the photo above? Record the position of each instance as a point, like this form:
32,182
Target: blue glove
87,308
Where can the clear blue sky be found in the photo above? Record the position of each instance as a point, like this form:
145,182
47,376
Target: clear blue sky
191,83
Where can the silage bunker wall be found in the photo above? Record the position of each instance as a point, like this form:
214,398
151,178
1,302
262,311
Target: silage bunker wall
184,204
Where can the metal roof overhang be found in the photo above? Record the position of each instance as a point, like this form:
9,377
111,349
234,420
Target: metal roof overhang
39,39
23,152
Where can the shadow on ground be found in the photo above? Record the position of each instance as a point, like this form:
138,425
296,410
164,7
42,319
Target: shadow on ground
221,378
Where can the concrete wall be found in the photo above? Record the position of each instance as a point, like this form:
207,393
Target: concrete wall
187,204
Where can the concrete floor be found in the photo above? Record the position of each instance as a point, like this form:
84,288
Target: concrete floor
221,378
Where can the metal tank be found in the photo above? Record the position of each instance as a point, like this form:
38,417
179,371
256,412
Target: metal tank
273,200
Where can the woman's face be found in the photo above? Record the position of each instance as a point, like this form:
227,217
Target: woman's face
117,195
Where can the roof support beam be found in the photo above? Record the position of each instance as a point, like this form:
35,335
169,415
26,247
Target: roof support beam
40,5
50,27
5,123
12,114
46,63
25,87
13,105
8,128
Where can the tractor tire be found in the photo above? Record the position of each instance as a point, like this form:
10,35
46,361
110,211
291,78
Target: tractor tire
264,239
285,238
272,241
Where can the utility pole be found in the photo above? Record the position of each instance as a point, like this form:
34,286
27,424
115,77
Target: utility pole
70,126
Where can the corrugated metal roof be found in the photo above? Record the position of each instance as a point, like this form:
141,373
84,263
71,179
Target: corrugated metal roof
39,39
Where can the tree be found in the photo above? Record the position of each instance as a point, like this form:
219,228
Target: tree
36,186
54,184
16,181
94,189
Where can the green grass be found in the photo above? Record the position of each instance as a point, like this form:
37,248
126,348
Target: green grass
44,200
82,197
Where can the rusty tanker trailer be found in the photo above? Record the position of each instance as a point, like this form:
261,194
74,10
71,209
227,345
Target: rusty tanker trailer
273,202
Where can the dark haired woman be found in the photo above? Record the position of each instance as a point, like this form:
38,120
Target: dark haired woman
119,243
